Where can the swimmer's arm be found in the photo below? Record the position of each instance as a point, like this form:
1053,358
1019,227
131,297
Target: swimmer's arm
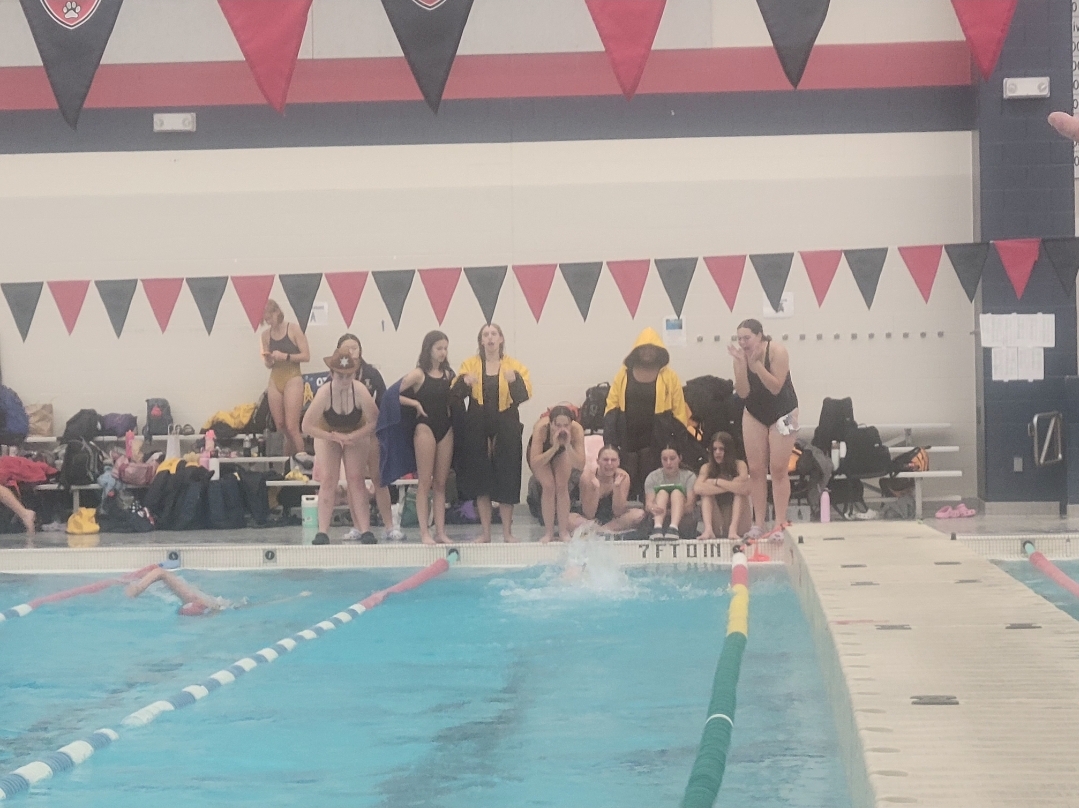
366,402
575,447
620,492
313,417
264,342
300,338
410,383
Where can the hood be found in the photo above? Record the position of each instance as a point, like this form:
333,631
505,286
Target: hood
648,337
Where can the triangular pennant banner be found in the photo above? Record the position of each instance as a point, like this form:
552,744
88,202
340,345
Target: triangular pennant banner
866,266
71,37
1018,257
300,291
676,275
269,36
486,283
22,299
581,280
985,24
793,26
627,29
923,263
347,288
968,261
1063,254
394,286
162,294
253,291
440,285
429,32
535,281
821,266
116,295
69,297
772,270
726,271
630,277
208,293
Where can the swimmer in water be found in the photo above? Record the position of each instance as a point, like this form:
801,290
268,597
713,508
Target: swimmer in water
195,601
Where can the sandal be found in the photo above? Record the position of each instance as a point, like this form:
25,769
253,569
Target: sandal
657,534
961,511
672,534
946,513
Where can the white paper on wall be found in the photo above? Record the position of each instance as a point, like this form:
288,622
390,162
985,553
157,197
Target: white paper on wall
674,332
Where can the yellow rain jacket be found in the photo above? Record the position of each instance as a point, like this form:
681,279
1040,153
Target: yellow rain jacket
474,365
669,396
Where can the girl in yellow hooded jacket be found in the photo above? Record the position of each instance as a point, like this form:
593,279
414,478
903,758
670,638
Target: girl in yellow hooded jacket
645,409
488,453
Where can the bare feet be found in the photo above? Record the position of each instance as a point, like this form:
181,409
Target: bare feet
28,517
482,540
546,538
706,536
442,538
426,538
510,539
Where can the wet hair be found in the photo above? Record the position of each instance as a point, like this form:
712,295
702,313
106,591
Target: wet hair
479,340
273,310
351,338
608,447
728,469
755,327
424,362
560,409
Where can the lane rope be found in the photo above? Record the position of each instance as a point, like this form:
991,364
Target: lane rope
67,757
1049,569
24,609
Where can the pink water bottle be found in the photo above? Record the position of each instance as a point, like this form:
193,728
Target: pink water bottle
129,439
825,506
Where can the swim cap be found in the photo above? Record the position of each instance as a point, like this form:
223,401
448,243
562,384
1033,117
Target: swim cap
193,609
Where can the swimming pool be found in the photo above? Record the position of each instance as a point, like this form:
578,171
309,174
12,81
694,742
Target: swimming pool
1024,571
479,688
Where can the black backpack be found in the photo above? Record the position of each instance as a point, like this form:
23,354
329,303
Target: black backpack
83,463
866,455
85,425
595,404
836,422
225,505
158,417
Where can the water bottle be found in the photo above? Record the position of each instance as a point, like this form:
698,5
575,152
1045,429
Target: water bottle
129,443
835,455
309,517
825,506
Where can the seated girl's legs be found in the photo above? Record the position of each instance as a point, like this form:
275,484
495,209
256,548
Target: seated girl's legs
662,501
424,443
545,476
443,461
779,449
711,514
678,508
755,438
293,398
26,516
329,455
563,469
382,493
359,502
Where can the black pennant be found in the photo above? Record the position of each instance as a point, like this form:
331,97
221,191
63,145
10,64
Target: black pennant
486,283
793,26
71,35
394,286
676,274
300,291
866,266
772,271
968,261
207,293
22,299
581,280
429,32
1064,256
116,295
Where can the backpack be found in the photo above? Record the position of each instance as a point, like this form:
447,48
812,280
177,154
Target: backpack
158,417
225,506
83,463
85,424
14,422
917,459
595,404
836,422
118,424
866,456
706,397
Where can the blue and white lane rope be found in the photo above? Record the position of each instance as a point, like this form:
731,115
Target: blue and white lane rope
70,756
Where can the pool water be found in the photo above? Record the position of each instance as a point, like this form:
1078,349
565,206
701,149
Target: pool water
1026,572
480,688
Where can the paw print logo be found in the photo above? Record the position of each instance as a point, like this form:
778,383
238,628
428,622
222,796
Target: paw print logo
72,10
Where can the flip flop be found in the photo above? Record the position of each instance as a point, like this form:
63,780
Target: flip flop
946,513
961,511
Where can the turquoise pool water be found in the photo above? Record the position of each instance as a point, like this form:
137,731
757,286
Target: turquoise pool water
507,688
1024,571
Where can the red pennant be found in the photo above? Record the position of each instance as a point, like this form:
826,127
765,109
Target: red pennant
630,276
269,35
535,281
162,294
985,24
69,297
347,287
923,263
726,271
440,285
253,291
1019,256
627,29
821,266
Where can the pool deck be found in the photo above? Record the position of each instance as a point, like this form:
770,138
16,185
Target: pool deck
899,611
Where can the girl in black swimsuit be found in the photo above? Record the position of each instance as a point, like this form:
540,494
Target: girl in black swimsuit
341,419
426,390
